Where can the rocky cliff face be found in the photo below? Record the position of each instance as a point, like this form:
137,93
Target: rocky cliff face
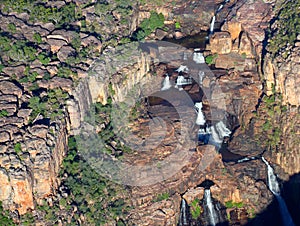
32,148
30,154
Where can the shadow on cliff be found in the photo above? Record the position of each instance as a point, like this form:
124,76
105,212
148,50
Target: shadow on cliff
271,216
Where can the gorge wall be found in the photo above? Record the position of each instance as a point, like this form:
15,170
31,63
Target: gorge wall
32,148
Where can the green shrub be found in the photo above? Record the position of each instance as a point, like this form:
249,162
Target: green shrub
37,38
163,196
177,25
3,113
195,209
43,59
267,126
287,28
18,148
231,204
4,217
210,59
1,67
11,28
149,25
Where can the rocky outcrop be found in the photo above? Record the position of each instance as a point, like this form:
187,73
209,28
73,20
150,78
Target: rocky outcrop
282,75
30,154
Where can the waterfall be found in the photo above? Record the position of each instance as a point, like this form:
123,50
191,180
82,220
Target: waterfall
213,217
182,68
200,117
183,219
246,159
166,84
272,180
201,77
212,25
222,129
198,58
274,188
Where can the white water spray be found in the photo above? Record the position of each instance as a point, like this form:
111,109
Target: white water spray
213,217
272,180
166,84
200,117
212,25
183,219
274,188
201,77
182,68
222,129
215,136
198,58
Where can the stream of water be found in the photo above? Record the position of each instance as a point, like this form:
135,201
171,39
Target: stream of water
274,188
212,213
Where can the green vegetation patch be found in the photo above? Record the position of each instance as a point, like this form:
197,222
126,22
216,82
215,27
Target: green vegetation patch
161,197
210,59
195,209
3,113
285,28
149,25
5,219
231,204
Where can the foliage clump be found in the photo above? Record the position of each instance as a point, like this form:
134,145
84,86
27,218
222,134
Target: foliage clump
195,209
231,204
284,30
149,25
5,218
210,59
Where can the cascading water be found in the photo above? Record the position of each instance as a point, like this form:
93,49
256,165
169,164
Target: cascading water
184,212
198,58
201,77
200,117
212,24
166,84
212,214
222,129
274,188
272,180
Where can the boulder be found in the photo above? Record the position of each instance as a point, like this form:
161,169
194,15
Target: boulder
245,46
220,43
64,52
4,137
7,87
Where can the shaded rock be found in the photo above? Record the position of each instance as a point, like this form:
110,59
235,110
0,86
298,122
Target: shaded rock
12,120
193,193
4,137
7,87
6,189
220,43
5,99
56,82
55,44
39,131
234,28
25,114
18,71
92,40
160,34
231,60
64,52
245,46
